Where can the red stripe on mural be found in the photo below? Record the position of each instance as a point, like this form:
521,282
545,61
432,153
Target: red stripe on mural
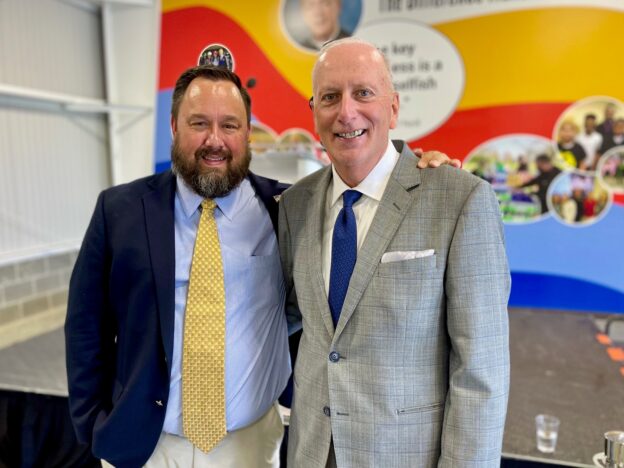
186,32
465,130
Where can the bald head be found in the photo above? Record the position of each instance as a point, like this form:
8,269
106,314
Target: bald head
332,53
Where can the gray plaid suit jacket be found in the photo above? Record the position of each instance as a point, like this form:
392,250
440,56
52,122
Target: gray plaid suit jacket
421,377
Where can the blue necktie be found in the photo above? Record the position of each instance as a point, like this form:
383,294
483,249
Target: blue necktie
344,253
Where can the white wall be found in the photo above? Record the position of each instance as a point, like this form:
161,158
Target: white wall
132,43
55,159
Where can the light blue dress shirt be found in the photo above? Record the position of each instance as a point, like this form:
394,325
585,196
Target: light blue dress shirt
257,362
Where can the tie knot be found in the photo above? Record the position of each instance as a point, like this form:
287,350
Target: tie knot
350,197
208,205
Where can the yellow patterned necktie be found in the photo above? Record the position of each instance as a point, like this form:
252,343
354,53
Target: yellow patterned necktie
203,359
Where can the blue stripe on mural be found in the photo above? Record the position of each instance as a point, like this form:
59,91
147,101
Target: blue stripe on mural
162,166
163,131
588,253
535,290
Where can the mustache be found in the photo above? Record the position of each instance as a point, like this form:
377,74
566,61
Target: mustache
207,151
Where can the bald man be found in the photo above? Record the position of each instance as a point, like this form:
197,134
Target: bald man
400,278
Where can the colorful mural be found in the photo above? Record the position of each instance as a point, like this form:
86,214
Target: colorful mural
508,86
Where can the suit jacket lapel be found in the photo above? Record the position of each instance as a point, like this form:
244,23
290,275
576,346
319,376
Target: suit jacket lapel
159,222
314,239
392,208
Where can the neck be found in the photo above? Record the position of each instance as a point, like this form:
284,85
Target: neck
351,179
354,175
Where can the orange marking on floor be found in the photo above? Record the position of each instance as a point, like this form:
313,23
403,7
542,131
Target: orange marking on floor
616,354
622,371
603,339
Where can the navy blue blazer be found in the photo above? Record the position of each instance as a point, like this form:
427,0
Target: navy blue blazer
120,317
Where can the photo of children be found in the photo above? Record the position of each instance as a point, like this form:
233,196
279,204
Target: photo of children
520,169
611,169
586,130
578,198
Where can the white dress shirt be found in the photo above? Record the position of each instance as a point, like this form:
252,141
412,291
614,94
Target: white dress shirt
372,189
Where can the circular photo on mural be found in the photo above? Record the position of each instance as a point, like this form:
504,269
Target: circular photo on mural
293,156
520,169
588,129
611,169
312,23
578,198
261,138
216,55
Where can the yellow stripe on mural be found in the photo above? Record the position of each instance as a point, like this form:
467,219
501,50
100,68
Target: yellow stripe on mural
547,55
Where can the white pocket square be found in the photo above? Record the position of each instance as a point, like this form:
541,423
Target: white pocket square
389,257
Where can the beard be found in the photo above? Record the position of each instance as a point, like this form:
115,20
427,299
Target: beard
210,182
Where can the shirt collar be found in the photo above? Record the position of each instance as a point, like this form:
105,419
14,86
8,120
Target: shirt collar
229,204
374,185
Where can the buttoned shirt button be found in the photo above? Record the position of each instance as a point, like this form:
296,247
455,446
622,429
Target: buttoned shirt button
334,356
326,411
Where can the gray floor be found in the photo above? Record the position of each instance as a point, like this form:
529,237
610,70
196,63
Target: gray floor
557,367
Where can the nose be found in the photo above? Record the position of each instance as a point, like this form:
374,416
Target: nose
346,112
213,137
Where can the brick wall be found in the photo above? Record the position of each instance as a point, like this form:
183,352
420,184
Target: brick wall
33,296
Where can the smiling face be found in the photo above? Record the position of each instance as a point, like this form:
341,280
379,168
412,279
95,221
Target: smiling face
211,137
355,107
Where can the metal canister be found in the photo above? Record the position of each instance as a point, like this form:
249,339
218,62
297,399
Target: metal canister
614,449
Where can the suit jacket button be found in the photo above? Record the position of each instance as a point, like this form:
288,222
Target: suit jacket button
326,411
334,356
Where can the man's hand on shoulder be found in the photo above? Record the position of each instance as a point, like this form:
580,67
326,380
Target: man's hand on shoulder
435,159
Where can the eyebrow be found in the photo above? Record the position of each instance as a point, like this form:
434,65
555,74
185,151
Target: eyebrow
223,117
334,88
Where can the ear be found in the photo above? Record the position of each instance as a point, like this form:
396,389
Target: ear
395,110
174,126
314,118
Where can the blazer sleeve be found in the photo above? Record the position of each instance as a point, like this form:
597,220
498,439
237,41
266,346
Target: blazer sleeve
477,286
90,329
293,315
